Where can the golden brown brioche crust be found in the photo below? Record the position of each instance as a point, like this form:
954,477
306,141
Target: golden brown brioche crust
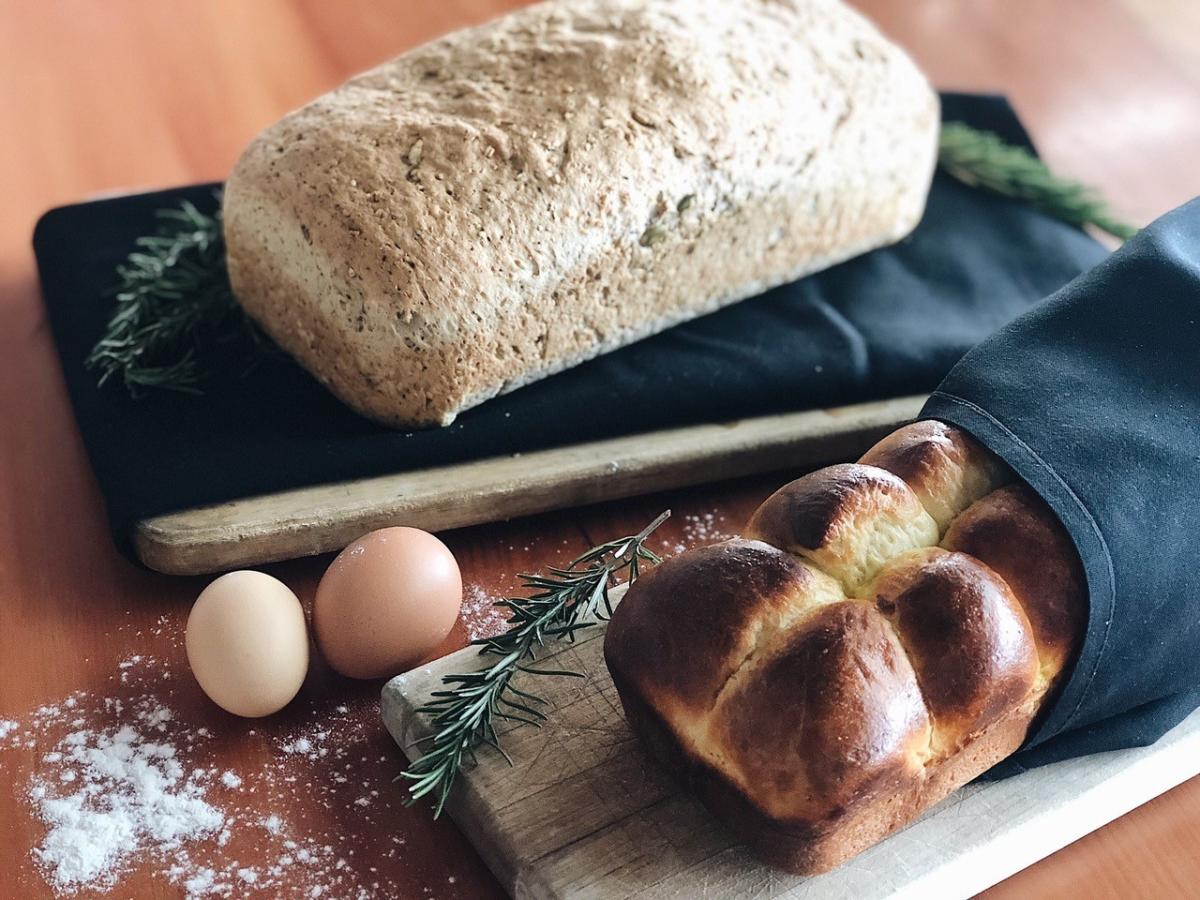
1017,535
831,714
822,683
800,847
945,467
718,600
966,635
846,519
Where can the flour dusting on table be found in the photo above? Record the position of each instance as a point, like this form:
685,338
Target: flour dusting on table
700,529
480,614
120,783
109,794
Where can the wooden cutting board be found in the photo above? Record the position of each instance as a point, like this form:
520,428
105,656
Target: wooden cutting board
583,814
327,517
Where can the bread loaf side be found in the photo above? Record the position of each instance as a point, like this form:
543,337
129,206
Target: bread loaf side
516,198
884,633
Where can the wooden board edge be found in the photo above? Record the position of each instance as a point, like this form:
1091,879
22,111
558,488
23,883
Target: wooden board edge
1153,771
464,807
323,518
1109,785
399,713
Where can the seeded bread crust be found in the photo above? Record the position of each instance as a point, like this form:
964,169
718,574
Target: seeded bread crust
514,199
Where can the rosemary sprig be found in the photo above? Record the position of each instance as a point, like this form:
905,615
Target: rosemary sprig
983,159
171,291
560,604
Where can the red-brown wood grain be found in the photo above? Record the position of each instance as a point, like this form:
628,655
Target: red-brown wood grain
135,93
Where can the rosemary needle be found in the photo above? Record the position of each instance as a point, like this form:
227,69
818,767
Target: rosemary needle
982,159
464,713
172,291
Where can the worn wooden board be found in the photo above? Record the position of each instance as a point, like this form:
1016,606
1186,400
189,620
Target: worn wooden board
583,814
319,519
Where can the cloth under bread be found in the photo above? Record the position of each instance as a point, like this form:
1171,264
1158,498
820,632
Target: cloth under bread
1093,397
890,323
508,201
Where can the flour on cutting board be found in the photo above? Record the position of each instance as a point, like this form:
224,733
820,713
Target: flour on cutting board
120,781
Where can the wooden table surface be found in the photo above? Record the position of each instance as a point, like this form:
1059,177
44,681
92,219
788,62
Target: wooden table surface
131,94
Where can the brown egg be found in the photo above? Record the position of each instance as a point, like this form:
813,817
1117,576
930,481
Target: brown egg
387,600
247,643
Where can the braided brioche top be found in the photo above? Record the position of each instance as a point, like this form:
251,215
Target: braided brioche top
874,620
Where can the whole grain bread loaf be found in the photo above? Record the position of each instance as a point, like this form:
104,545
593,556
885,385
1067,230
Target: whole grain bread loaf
516,198
883,633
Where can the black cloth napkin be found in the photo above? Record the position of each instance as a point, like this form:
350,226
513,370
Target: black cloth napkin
889,323
1093,397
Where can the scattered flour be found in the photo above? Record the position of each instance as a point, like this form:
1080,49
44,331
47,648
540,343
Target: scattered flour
700,529
300,745
203,881
480,614
482,618
308,747
120,783
133,796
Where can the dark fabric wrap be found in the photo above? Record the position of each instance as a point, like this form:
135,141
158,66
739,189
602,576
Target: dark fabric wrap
889,323
1093,397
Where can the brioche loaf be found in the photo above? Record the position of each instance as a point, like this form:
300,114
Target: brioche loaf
513,199
883,633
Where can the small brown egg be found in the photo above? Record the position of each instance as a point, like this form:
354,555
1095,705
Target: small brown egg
247,643
387,600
